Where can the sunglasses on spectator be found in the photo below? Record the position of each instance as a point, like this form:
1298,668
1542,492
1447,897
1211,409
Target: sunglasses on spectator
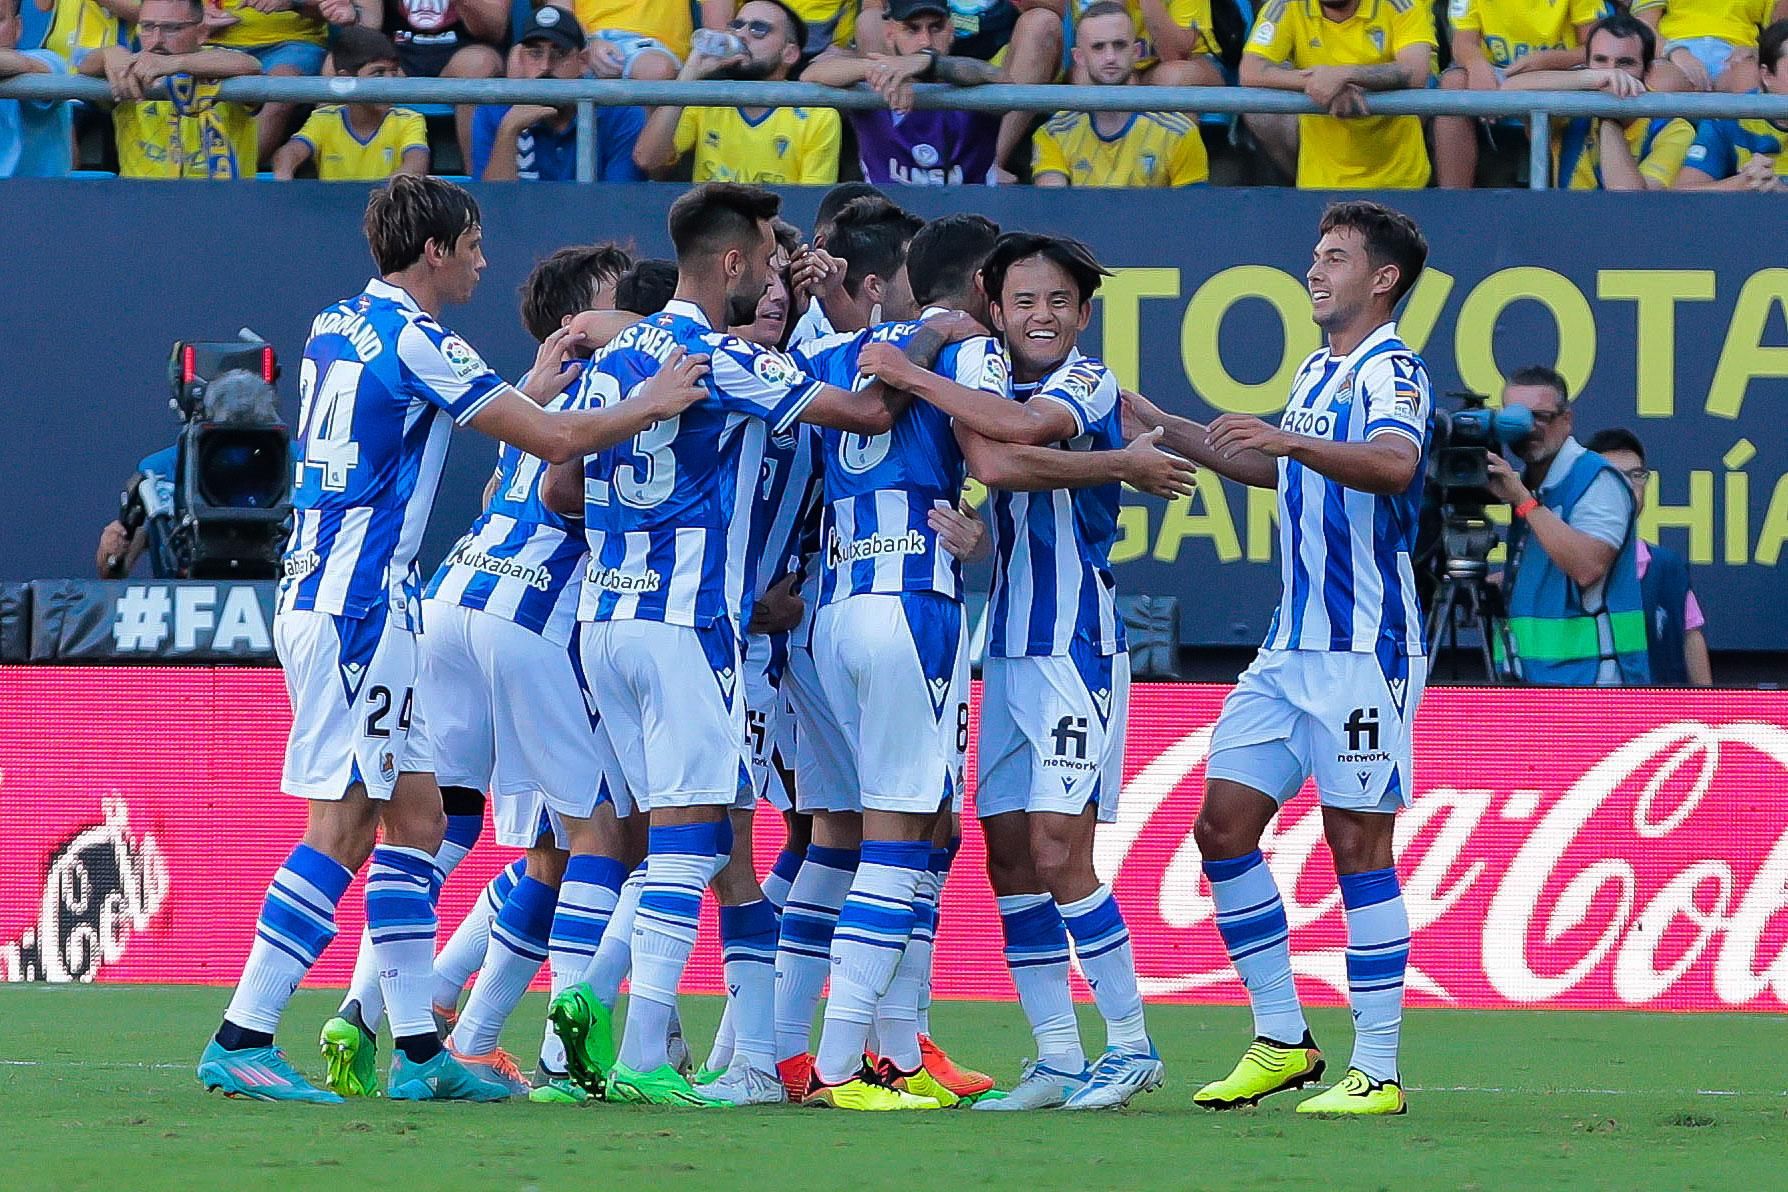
758,29
165,28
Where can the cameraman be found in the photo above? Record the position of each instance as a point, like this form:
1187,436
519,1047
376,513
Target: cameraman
146,505
1572,579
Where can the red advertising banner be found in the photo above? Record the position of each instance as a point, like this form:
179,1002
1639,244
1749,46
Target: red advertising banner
1586,849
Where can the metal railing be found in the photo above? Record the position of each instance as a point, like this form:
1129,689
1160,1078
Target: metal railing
1536,108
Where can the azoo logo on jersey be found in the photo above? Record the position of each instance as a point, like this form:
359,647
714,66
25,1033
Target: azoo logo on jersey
1315,424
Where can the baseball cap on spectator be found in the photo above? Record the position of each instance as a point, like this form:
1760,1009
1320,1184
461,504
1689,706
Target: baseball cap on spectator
906,10
556,25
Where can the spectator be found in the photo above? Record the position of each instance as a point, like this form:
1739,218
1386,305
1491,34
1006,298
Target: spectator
1116,148
1594,154
1675,637
756,145
80,26
35,135
445,39
1022,38
926,147
152,496
1335,53
358,142
645,288
829,23
643,39
167,118
1572,573
1743,154
1176,41
1713,42
1493,39
536,143
287,37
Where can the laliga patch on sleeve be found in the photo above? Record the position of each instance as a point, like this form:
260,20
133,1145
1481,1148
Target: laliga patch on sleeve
460,357
773,368
1263,33
1406,397
995,375
1080,381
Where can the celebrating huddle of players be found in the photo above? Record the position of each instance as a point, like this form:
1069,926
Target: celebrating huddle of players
721,561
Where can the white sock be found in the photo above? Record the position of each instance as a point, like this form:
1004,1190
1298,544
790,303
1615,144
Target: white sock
363,986
296,923
748,945
1377,955
517,950
897,1014
804,945
1102,944
1251,920
614,956
464,950
873,927
400,911
1037,954
681,862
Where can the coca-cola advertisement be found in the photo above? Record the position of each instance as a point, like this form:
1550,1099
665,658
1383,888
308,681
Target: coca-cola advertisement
1565,849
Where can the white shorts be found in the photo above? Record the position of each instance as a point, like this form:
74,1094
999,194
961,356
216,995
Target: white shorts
1052,734
671,701
1344,719
769,729
895,671
355,716
508,716
825,774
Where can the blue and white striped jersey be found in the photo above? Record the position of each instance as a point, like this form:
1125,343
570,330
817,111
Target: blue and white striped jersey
1344,555
787,501
520,560
879,489
1052,581
668,515
381,385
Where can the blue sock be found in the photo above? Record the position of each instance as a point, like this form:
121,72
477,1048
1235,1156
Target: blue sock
937,872
873,927
297,922
587,899
462,833
1377,955
401,885
517,950
781,878
1251,920
680,862
748,948
1037,955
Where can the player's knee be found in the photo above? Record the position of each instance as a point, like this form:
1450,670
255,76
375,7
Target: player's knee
1219,839
344,831
417,827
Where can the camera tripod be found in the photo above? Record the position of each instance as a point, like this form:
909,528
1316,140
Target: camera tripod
1466,601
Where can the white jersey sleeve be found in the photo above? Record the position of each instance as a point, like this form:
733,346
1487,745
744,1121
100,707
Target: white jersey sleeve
1397,394
444,370
980,363
752,380
1086,388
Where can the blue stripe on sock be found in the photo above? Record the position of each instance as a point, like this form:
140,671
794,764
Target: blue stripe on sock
1035,925
464,830
787,864
897,854
1368,889
1224,871
696,840
596,871
843,859
328,875
528,912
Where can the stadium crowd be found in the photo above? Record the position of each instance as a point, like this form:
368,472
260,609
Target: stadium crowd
163,60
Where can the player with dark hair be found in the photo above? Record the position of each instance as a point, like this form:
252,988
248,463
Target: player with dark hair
1333,692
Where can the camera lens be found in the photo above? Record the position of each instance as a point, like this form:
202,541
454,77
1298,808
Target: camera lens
242,469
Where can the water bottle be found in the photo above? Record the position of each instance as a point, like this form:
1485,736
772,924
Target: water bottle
716,43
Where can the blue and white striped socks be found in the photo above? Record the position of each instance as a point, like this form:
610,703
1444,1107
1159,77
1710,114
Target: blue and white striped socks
297,922
897,1014
401,886
804,948
1037,955
465,948
781,878
1377,956
680,862
748,947
587,900
1102,944
518,945
937,872
1251,920
873,927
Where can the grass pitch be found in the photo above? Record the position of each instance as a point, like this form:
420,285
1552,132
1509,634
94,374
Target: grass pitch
97,1090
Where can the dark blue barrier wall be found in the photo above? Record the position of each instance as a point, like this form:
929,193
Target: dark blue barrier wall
1667,311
